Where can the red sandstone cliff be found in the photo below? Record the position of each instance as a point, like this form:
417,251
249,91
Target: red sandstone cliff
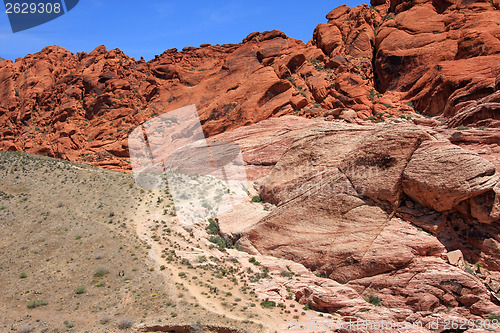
439,57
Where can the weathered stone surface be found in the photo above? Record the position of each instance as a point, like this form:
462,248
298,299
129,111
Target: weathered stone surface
426,284
484,112
83,106
386,152
324,223
486,207
440,175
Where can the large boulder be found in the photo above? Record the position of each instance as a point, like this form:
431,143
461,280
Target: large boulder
441,175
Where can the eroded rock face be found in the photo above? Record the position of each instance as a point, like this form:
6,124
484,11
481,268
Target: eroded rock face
439,53
435,57
441,175
82,106
347,207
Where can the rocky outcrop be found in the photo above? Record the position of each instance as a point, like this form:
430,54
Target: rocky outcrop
441,175
346,204
432,57
440,54
479,113
82,106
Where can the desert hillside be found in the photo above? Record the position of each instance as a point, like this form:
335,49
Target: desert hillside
79,252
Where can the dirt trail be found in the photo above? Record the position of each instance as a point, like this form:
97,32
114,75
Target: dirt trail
143,223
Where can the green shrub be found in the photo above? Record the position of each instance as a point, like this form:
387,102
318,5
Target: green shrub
254,261
23,275
462,127
374,299
256,198
372,94
494,317
287,274
268,304
320,67
221,242
213,227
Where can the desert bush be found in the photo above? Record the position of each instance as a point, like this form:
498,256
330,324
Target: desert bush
372,94
80,290
26,329
494,317
287,274
69,324
125,323
254,261
268,304
101,271
374,299
221,242
213,227
256,198
36,303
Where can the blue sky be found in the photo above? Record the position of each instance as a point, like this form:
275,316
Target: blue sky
146,28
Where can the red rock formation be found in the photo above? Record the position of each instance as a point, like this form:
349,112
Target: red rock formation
374,207
82,107
435,57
